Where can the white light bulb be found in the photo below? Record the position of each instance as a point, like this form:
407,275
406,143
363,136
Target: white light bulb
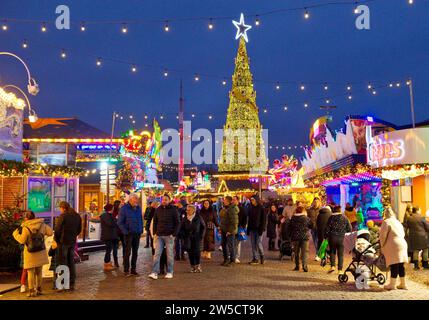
133,68
43,27
63,54
166,27
306,14
4,27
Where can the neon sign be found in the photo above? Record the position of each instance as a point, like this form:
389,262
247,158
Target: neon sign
386,151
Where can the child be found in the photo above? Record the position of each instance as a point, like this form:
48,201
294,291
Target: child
363,247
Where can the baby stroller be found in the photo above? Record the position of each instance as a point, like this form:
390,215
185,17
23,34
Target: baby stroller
365,258
285,248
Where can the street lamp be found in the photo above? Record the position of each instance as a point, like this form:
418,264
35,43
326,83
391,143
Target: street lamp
32,116
32,87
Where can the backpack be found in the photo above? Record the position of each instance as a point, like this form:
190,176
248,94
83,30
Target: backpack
35,242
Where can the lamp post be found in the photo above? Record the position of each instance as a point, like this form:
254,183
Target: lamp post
110,154
32,116
32,87
410,85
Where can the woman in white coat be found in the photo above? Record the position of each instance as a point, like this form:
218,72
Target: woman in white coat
394,248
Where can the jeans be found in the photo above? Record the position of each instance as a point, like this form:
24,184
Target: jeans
336,246
425,255
132,242
397,269
66,257
122,240
34,278
256,241
315,239
194,252
228,247
159,243
237,248
301,251
111,245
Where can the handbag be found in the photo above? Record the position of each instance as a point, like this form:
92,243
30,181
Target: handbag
242,234
380,263
322,250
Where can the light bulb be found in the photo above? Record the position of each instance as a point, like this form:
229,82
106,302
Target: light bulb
285,108
82,27
210,117
44,27
210,25
350,97
25,44
133,68
302,87
306,14
165,73
98,63
124,28
278,86
4,27
166,27
349,88
257,21
161,117
193,115
63,54
326,87
197,78
224,82
305,105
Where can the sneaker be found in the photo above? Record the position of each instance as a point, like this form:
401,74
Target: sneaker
332,270
153,276
193,269
168,276
317,259
254,261
199,269
23,288
237,261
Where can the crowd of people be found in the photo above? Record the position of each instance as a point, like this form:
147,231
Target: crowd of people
176,229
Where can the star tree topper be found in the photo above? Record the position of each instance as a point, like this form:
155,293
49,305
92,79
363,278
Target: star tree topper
242,28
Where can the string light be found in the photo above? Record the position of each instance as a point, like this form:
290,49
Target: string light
350,97
278,86
145,116
161,117
197,78
257,21
82,26
193,115
326,87
210,24
285,108
43,28
165,73
302,87
410,1
305,105
398,84
210,117
25,44
265,110
63,54
306,14
133,68
131,116
391,85
224,82
124,28
374,92
4,26
166,26
98,63
349,87
369,86
328,101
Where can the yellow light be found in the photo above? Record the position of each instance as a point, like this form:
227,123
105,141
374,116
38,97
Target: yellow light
44,27
4,27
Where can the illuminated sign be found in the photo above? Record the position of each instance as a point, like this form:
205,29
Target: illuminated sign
386,151
96,147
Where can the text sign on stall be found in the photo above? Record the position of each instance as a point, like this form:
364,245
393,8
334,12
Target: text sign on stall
408,146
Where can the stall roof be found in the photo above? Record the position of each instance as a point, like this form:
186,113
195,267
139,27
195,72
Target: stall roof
66,128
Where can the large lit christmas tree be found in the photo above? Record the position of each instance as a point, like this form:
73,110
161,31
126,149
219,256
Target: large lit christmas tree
243,120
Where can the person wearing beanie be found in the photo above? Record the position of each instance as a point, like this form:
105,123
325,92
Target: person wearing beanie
109,234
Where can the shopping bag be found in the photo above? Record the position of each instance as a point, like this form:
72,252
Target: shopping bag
242,234
322,250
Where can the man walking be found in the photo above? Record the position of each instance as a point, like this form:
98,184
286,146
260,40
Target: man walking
255,228
229,229
242,224
148,215
166,226
67,227
312,213
130,221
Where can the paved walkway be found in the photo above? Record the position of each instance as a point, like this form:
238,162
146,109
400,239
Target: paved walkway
274,280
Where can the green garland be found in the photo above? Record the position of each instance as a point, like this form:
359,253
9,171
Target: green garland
9,168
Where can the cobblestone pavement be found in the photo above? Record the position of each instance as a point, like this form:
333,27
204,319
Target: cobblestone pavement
274,280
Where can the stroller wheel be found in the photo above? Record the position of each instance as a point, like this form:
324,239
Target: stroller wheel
343,278
381,279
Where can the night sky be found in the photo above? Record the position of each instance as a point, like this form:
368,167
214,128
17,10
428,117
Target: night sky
285,47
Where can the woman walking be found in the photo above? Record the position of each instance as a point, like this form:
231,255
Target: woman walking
417,229
336,228
109,234
394,249
32,235
210,219
272,223
192,232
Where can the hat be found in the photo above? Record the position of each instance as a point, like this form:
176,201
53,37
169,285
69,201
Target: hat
108,207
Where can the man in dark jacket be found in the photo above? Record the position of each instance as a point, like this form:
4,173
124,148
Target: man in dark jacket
166,227
417,229
297,231
178,242
67,227
130,221
312,213
228,229
321,222
255,228
242,224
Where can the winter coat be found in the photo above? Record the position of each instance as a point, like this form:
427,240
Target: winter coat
130,219
148,216
33,259
242,217
288,211
257,219
210,220
166,221
321,222
298,227
229,219
192,231
392,242
272,222
337,225
312,213
416,229
109,227
68,226
350,213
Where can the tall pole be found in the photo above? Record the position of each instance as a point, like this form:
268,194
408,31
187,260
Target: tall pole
110,154
410,85
181,156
